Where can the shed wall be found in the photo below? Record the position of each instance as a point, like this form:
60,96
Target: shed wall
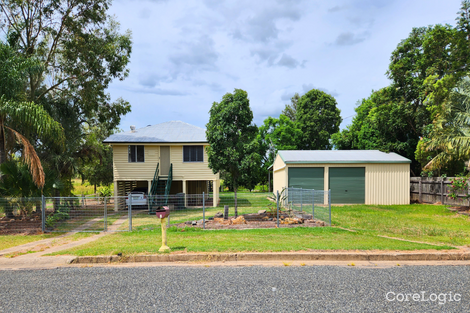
279,174
385,183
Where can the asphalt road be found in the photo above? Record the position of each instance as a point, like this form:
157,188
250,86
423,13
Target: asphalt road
237,289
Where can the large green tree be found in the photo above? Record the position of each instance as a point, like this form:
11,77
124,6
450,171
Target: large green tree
449,135
232,139
318,118
81,51
17,114
381,123
275,134
290,110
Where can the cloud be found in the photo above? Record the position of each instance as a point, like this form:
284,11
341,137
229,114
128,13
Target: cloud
290,62
307,87
336,9
158,91
151,80
349,39
270,53
361,21
145,13
200,54
287,96
216,87
262,26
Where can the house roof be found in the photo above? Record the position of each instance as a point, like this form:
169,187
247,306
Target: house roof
169,132
340,156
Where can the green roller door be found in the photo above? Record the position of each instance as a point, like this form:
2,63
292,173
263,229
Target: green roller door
306,177
347,184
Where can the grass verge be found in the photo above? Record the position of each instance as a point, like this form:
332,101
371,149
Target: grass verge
420,222
9,241
262,240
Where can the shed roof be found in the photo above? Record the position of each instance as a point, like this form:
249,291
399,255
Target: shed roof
173,131
340,156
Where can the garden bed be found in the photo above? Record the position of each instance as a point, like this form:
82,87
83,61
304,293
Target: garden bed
21,224
252,221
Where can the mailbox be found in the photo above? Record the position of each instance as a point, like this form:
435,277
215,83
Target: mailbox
162,211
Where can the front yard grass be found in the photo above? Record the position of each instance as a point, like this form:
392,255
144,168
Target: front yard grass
8,241
420,222
432,224
262,240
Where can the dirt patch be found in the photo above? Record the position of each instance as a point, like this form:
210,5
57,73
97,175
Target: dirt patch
464,210
29,225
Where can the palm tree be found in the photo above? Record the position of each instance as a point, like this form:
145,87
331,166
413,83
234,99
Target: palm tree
15,113
450,135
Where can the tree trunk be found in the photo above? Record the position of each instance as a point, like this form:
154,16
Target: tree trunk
236,208
3,153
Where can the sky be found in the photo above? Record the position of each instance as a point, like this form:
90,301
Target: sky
187,54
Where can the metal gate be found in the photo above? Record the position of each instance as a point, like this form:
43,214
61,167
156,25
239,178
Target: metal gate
86,214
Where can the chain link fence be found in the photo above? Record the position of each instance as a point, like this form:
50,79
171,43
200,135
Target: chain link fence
293,207
317,203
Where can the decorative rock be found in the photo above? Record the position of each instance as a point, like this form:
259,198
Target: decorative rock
218,215
188,222
270,219
194,223
211,218
239,220
261,211
200,221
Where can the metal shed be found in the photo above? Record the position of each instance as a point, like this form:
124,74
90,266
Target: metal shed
354,176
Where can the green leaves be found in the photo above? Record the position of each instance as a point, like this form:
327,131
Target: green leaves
317,118
231,136
33,117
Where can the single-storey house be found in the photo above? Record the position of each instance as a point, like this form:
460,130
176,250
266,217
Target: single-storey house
179,150
353,176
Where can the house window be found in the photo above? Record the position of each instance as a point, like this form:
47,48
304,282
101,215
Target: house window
136,153
193,154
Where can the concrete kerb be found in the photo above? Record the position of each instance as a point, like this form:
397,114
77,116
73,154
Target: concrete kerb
315,256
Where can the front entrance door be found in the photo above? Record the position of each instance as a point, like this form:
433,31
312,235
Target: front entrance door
164,160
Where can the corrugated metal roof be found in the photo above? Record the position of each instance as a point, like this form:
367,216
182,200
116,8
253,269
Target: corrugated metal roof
174,131
340,156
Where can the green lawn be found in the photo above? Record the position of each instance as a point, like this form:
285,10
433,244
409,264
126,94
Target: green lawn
8,241
283,239
432,224
420,222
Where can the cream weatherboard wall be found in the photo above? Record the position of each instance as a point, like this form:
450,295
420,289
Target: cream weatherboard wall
385,183
144,171
125,170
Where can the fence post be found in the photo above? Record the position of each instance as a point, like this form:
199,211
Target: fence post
83,200
313,204
329,203
203,211
129,213
419,190
301,200
105,215
442,190
225,212
277,205
168,225
43,213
